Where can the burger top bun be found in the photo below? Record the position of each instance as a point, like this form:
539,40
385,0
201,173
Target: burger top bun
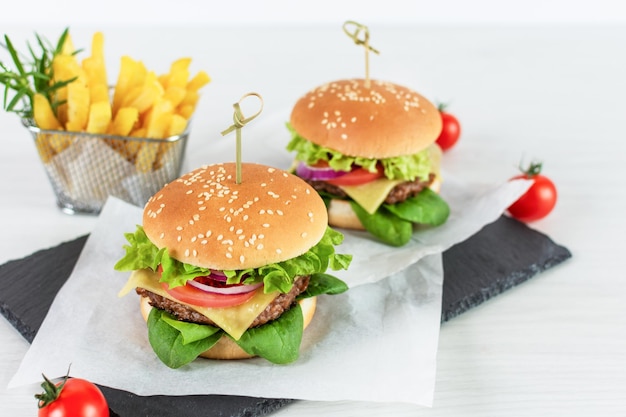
382,121
206,219
226,348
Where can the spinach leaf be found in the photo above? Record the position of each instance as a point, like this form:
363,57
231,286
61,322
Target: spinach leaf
425,208
177,346
277,341
384,225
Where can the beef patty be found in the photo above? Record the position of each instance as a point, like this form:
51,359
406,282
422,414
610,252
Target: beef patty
398,194
182,312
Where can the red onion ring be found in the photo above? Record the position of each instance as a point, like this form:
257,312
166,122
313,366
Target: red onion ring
235,289
308,172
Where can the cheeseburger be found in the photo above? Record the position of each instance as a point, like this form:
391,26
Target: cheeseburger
370,152
230,271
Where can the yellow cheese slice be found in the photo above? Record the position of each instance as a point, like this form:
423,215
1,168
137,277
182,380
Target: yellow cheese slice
372,194
233,320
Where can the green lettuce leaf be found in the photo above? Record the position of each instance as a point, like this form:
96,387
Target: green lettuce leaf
407,167
142,253
177,343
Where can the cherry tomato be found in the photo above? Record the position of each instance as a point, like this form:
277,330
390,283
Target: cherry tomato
357,176
192,295
450,131
72,397
540,198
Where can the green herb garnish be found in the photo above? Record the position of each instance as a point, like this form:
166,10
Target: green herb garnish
31,75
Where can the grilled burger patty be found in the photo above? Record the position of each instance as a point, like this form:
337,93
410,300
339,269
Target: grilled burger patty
398,194
280,304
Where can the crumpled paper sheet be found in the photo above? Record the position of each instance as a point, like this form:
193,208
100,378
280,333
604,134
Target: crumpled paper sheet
89,170
376,342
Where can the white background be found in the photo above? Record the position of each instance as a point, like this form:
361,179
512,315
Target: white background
536,78
270,12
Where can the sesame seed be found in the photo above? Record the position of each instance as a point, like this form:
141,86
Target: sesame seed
242,258
187,252
162,235
229,255
179,228
259,246
304,234
195,253
279,251
266,225
179,238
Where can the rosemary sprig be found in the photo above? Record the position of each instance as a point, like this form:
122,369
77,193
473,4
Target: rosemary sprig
30,75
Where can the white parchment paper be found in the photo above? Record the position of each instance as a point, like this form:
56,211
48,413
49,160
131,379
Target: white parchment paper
376,342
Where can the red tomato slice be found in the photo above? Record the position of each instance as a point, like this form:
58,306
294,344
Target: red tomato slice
357,176
191,295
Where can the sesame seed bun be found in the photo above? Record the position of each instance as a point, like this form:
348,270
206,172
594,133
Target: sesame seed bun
226,348
382,121
206,219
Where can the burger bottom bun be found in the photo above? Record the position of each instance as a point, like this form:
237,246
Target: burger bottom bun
226,348
340,213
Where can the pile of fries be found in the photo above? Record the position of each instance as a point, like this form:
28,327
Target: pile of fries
141,104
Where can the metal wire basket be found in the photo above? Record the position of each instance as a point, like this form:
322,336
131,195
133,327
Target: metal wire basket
85,169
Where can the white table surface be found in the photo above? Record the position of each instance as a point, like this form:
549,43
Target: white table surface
555,345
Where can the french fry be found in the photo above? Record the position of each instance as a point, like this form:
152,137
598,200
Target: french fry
178,124
78,101
143,96
68,46
175,95
122,125
124,121
132,73
188,105
43,114
99,117
198,81
159,120
178,75
64,68
95,68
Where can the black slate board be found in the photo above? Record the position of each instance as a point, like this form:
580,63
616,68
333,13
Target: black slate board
503,254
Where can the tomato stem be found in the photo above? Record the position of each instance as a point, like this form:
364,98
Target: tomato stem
51,390
533,169
442,107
